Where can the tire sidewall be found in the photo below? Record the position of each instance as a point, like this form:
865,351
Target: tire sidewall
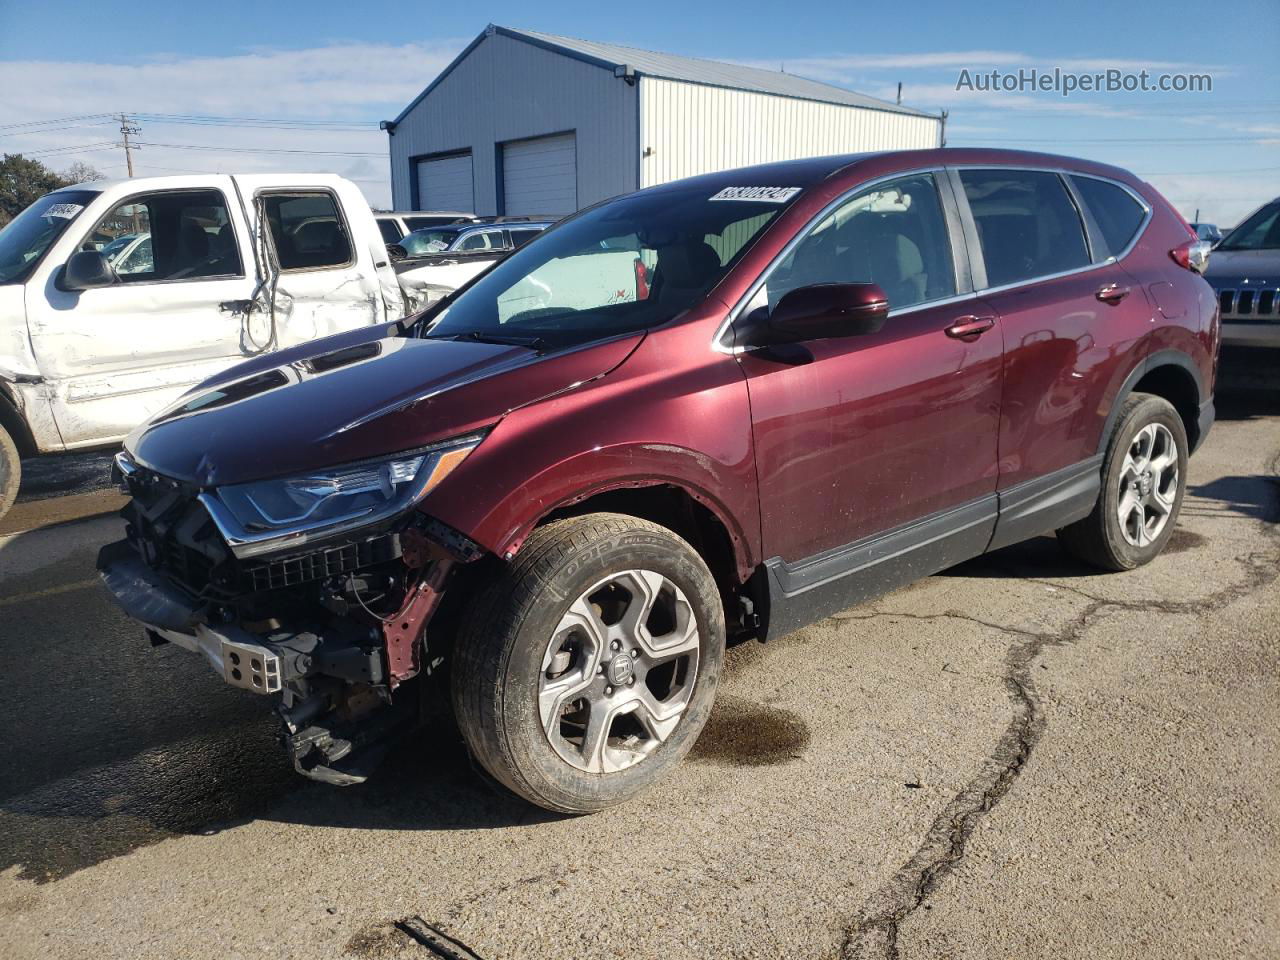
546,773
10,472
1150,410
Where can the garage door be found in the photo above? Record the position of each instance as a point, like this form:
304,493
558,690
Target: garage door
540,176
445,184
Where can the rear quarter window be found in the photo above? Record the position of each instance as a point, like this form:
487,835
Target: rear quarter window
1117,214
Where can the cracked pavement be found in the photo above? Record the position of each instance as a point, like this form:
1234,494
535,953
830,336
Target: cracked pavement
1018,757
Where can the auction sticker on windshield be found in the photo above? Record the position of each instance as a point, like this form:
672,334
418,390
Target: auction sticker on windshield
758,194
64,210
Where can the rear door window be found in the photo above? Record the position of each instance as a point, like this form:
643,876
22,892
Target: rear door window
1114,210
520,237
1028,225
175,235
307,230
390,232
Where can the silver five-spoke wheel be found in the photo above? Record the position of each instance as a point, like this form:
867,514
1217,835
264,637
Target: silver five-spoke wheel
619,671
1148,484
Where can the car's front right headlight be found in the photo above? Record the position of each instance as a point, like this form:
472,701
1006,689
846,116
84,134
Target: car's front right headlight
267,515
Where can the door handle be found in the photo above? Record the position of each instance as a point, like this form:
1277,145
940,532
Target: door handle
235,306
1112,293
970,328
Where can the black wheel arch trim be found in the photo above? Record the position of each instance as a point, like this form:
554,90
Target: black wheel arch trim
1161,358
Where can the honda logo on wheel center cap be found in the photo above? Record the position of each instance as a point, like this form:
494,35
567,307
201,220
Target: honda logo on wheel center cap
620,669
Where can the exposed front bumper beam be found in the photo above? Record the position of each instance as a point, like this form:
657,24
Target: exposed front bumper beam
168,614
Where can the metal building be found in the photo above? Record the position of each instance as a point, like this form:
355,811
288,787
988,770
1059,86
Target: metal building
529,123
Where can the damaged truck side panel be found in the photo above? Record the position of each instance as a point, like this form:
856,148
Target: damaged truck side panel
213,269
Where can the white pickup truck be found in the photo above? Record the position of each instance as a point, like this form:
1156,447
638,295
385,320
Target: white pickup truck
96,337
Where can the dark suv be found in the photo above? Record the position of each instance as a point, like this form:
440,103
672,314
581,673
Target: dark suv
717,409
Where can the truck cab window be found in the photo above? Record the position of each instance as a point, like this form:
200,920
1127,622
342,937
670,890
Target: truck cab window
307,230
178,235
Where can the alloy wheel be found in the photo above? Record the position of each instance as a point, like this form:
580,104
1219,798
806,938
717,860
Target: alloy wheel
619,671
1148,484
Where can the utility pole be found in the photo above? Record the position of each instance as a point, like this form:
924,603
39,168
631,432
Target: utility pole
128,128
899,91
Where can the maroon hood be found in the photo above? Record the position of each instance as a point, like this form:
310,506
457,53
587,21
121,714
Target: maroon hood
350,398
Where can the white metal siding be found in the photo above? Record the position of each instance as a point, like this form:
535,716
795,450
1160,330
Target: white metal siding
510,90
693,129
445,184
540,176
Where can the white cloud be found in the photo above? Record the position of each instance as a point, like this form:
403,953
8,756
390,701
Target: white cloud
356,82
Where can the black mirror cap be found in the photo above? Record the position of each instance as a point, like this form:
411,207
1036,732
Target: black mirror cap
85,270
824,311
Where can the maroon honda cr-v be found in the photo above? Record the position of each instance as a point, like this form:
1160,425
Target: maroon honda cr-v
719,408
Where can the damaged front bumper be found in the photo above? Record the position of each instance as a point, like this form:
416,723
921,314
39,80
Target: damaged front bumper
333,638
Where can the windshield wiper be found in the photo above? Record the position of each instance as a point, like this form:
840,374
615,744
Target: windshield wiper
478,336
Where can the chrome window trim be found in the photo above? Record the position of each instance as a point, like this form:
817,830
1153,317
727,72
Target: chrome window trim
1148,216
718,344
717,341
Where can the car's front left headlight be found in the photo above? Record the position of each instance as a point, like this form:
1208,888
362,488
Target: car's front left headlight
268,515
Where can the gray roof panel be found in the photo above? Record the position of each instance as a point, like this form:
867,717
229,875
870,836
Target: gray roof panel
687,69
711,72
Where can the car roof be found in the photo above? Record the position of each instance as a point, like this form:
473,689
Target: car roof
809,171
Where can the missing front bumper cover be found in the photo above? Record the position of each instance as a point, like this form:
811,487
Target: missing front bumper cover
250,666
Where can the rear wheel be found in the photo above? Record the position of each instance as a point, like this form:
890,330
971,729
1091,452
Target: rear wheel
1144,477
10,471
587,670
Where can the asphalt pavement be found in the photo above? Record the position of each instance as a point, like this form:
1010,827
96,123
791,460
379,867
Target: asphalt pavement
1016,758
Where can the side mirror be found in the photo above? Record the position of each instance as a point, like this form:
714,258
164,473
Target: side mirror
825,311
87,269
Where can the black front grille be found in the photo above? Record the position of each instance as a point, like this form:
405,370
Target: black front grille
319,564
189,567
1263,304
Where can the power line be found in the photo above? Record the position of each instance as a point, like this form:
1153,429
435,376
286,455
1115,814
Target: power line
74,148
38,123
1205,141
1198,173
326,153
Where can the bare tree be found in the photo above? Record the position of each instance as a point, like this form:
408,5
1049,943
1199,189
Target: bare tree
81,172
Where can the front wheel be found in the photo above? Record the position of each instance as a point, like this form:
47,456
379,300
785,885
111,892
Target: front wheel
1144,478
10,471
586,671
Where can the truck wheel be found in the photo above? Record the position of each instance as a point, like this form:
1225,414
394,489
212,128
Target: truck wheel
587,669
10,471
1144,477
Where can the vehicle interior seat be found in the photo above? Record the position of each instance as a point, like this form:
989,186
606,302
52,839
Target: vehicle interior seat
681,268
192,251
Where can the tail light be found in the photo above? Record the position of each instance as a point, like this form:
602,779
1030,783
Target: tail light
642,280
1192,255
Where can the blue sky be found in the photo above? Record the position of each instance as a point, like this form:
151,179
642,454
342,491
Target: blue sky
334,69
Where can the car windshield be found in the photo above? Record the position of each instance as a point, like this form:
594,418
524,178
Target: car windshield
626,265
1259,232
423,242
116,246
27,236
